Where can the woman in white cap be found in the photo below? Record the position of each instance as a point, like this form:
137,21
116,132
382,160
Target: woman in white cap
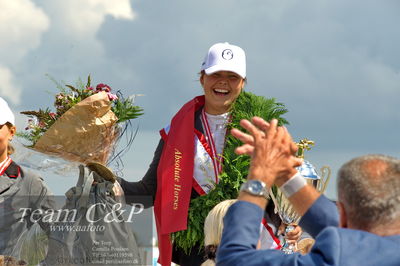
21,192
188,160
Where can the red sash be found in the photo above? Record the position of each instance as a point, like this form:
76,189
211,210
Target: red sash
175,177
267,237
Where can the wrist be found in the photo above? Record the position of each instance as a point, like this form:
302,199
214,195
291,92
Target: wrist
255,188
284,178
293,185
262,175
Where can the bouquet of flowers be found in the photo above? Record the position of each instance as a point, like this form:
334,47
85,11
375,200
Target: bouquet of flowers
85,124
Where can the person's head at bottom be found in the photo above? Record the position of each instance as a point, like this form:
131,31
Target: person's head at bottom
222,76
368,194
213,227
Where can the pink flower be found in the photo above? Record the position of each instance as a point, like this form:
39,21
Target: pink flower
27,128
99,87
102,86
59,97
52,115
90,88
107,88
112,97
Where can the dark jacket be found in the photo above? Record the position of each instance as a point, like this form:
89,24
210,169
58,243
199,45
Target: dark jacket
21,193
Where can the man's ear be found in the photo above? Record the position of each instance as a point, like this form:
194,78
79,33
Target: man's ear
342,215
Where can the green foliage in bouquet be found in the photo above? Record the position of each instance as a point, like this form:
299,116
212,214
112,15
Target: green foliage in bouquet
125,110
44,119
68,96
235,167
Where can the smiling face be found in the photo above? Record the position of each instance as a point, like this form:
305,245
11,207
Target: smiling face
220,89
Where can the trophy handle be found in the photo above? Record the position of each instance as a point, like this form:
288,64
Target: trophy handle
325,176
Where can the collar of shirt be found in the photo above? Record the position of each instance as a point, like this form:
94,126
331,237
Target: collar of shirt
217,121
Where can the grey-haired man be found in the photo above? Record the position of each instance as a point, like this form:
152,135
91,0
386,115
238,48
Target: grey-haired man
368,203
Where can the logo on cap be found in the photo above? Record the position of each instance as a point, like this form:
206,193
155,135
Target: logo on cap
227,54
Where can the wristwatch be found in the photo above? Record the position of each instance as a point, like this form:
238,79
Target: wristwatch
255,188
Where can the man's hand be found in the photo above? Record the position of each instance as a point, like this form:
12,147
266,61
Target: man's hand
273,161
271,148
248,140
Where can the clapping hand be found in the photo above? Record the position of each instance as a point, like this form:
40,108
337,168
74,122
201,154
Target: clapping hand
271,149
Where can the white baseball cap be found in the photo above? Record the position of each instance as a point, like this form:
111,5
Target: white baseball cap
225,57
6,115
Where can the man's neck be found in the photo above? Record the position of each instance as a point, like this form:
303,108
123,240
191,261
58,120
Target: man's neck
386,229
390,229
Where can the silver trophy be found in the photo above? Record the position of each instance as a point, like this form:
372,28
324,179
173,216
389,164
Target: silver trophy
287,214
283,206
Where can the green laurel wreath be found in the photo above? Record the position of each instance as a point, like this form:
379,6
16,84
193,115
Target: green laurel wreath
235,168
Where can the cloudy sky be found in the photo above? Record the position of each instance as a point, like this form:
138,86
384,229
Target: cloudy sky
334,64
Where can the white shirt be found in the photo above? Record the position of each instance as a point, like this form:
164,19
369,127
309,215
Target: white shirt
217,125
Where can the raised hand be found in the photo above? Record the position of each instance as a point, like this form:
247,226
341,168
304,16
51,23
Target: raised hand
271,148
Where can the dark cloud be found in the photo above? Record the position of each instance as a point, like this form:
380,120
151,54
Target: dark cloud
335,64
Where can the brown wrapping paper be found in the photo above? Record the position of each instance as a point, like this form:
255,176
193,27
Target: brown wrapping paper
85,133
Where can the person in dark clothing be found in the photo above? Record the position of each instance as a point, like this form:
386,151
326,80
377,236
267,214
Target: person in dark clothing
22,193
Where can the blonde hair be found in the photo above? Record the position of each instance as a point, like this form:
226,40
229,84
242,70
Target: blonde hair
214,225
